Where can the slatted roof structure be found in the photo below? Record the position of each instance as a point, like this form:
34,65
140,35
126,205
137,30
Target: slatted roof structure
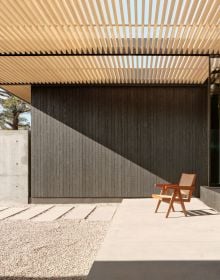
105,70
107,41
145,26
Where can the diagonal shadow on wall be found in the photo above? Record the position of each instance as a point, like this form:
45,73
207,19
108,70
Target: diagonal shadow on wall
162,130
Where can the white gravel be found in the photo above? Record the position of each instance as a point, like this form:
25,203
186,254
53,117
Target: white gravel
49,250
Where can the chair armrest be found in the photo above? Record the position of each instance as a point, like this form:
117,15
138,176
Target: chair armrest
166,186
171,186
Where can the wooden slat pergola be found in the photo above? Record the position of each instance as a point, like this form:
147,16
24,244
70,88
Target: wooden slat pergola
116,26
107,42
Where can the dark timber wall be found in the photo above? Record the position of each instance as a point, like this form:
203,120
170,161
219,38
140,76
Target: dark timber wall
115,141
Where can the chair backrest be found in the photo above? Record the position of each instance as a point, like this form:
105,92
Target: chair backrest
187,180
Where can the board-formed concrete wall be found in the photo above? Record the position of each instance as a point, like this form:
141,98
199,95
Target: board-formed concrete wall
13,166
115,142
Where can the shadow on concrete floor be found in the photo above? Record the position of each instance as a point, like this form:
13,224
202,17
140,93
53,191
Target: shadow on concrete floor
202,212
155,270
42,278
196,213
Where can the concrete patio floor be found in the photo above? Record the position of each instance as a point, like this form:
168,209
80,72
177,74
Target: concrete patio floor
143,245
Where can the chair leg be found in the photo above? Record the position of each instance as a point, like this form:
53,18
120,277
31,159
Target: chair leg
163,191
182,205
173,208
171,204
158,205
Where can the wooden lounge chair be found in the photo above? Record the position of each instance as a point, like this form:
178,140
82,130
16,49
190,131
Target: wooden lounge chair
176,193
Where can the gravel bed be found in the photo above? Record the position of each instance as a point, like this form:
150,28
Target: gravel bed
49,250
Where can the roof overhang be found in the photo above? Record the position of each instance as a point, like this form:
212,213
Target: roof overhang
21,91
104,69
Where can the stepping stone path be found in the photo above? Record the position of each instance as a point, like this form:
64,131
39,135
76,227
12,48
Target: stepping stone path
49,212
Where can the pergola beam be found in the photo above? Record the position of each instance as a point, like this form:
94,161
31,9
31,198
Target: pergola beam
110,54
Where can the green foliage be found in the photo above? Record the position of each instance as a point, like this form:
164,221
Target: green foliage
11,110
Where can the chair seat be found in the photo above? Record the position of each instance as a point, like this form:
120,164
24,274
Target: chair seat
165,196
161,196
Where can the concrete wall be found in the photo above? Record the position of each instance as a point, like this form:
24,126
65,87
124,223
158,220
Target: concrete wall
13,166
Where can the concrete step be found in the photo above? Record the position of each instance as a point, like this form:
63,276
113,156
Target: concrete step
79,212
31,212
53,214
102,213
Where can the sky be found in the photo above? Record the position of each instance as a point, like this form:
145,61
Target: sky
146,17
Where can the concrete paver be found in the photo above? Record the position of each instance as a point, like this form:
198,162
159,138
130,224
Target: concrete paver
31,212
3,208
102,213
53,213
11,211
79,212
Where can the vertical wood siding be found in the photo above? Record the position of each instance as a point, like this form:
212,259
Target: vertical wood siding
115,141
